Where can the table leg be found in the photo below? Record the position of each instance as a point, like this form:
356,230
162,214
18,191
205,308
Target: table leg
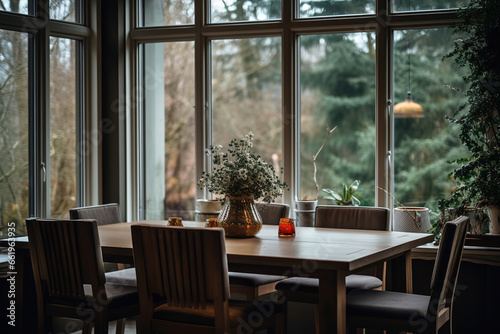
332,302
402,273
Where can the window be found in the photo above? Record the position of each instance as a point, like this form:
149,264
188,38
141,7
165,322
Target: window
408,5
65,10
337,88
17,6
243,10
424,142
63,126
43,150
288,69
246,89
14,141
169,132
311,8
167,12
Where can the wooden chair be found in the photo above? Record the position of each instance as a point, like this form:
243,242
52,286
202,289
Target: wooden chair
69,276
248,286
409,312
304,289
186,268
106,214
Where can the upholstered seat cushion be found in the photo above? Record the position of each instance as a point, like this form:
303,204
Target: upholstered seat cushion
118,295
405,311
252,280
311,285
124,277
238,311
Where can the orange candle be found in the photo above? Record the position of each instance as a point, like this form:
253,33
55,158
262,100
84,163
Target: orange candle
211,222
286,228
175,221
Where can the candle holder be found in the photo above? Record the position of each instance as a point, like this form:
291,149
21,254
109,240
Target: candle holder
286,228
211,222
175,221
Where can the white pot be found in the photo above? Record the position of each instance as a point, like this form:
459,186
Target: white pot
494,215
412,219
305,213
207,208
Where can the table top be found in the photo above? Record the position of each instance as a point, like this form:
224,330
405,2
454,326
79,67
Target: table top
330,249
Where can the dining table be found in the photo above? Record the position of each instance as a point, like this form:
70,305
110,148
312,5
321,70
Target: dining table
328,254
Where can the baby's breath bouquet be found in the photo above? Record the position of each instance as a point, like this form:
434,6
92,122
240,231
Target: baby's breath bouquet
239,172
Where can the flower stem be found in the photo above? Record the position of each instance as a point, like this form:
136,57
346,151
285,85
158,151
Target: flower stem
328,133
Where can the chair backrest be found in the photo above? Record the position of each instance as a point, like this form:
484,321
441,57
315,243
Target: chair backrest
104,214
185,266
271,213
353,217
447,265
65,254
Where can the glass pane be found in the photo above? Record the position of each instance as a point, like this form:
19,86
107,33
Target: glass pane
65,10
311,8
244,10
62,126
16,6
167,12
337,88
424,142
169,135
246,94
407,5
14,177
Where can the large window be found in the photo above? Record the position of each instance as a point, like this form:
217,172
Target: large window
337,88
169,133
42,102
289,69
246,89
423,141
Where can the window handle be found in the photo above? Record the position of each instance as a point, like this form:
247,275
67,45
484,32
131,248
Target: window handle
44,172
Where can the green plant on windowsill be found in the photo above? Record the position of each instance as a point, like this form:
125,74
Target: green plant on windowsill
478,175
346,197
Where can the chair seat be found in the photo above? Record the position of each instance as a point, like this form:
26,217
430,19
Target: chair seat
252,280
118,295
238,311
311,285
379,308
125,277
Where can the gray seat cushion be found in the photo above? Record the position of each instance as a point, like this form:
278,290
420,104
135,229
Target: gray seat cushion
311,285
380,308
124,277
252,280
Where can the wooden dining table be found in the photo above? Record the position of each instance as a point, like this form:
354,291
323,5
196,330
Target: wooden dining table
324,253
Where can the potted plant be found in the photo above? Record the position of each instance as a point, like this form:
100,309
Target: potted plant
346,197
305,209
478,175
241,177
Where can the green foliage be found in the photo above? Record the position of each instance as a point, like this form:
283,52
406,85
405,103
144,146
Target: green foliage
479,173
240,172
346,197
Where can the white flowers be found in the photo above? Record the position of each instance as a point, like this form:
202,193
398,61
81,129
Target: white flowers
240,172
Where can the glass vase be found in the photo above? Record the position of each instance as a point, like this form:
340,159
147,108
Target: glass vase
239,217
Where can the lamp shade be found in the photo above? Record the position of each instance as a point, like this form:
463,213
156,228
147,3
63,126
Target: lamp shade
408,109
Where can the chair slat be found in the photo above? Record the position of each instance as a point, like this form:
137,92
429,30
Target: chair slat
199,272
168,246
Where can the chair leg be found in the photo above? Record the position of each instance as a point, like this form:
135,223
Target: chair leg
316,318
87,328
101,323
120,326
